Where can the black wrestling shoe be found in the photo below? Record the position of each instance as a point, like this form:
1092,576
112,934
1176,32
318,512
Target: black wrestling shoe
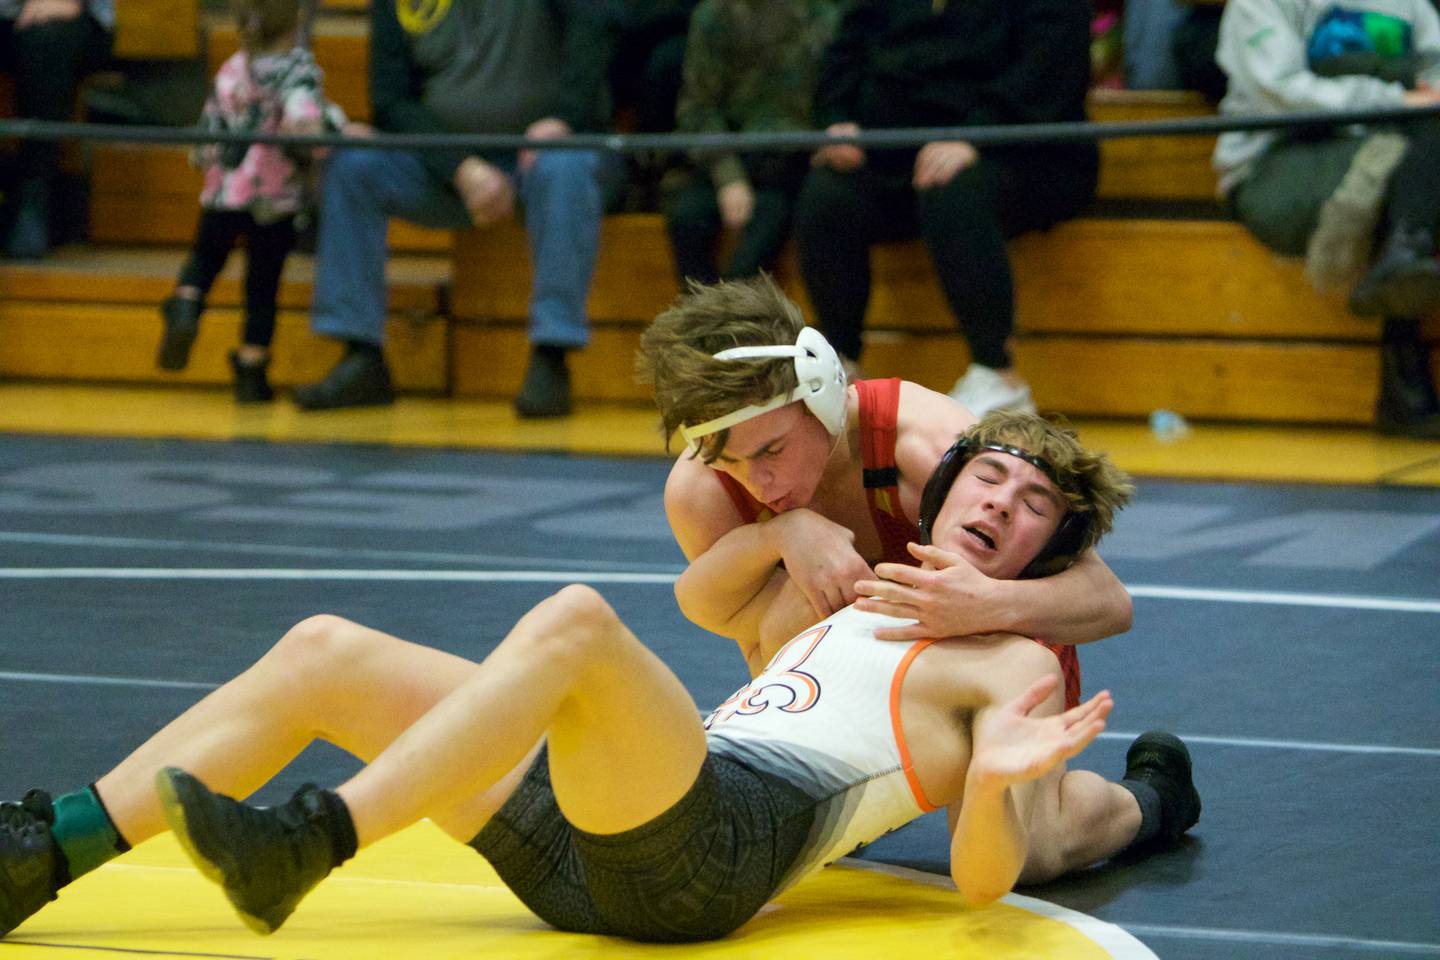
181,317
265,858
1161,760
30,862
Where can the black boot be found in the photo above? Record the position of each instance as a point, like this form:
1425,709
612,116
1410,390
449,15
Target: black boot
546,390
29,235
1407,405
181,316
1404,281
251,383
360,379
31,866
1161,761
266,858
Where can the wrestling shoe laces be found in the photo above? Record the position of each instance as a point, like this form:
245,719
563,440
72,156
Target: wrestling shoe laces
266,858
1161,760
28,858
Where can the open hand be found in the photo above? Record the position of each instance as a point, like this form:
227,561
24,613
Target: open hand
1010,746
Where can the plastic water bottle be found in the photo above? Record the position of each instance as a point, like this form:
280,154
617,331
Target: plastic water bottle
1168,426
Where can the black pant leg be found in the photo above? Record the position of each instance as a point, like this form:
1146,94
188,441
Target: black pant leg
692,220
967,224
49,61
266,247
837,217
961,224
1412,196
761,240
215,237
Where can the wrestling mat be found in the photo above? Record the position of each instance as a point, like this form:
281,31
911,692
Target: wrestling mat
421,895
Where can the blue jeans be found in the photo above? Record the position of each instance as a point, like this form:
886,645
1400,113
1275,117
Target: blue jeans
562,199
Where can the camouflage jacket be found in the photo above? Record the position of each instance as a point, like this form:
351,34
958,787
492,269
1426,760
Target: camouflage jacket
750,65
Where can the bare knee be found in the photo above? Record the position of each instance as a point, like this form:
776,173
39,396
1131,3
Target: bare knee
574,625
318,650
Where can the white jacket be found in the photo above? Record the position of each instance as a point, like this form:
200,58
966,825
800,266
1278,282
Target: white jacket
1263,49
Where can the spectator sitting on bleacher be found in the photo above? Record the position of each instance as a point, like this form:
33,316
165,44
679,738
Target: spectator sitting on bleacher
48,45
750,65
645,77
1329,193
469,66
918,63
649,59
256,191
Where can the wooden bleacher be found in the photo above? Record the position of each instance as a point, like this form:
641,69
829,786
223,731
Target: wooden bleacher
92,315
1115,316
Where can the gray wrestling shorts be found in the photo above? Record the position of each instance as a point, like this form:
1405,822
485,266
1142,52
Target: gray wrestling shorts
696,872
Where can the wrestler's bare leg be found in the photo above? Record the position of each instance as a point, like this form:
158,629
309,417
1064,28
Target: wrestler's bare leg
625,738
327,679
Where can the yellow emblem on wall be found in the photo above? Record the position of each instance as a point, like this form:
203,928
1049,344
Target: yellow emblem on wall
421,16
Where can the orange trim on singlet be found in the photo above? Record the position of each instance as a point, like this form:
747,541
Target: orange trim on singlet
898,726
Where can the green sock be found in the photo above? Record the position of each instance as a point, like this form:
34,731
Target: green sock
84,832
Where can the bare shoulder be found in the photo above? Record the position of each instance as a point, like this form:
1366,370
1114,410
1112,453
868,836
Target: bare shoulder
697,506
926,426
975,671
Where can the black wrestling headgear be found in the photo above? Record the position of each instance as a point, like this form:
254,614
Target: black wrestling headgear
1064,544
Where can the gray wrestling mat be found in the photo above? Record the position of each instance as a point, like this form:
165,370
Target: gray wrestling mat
1289,633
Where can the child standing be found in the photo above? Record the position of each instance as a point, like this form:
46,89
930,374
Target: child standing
256,191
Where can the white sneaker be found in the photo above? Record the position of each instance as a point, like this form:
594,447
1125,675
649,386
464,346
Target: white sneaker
982,389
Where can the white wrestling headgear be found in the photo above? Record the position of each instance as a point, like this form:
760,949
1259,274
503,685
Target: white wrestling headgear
822,385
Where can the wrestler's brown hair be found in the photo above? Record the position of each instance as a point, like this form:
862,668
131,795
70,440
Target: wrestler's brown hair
677,354
1090,482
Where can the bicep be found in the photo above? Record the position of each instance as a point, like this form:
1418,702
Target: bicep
698,509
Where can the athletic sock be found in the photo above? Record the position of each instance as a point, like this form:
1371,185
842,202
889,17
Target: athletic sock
1149,800
85,834
339,826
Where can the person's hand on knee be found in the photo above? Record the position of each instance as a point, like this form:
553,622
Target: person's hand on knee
487,192
37,12
737,204
548,128
841,157
939,162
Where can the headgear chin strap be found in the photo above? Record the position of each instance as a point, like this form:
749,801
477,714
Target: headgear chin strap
821,386
1064,544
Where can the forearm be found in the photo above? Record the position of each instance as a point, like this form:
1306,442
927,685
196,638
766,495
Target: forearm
988,844
1085,603
786,614
720,589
